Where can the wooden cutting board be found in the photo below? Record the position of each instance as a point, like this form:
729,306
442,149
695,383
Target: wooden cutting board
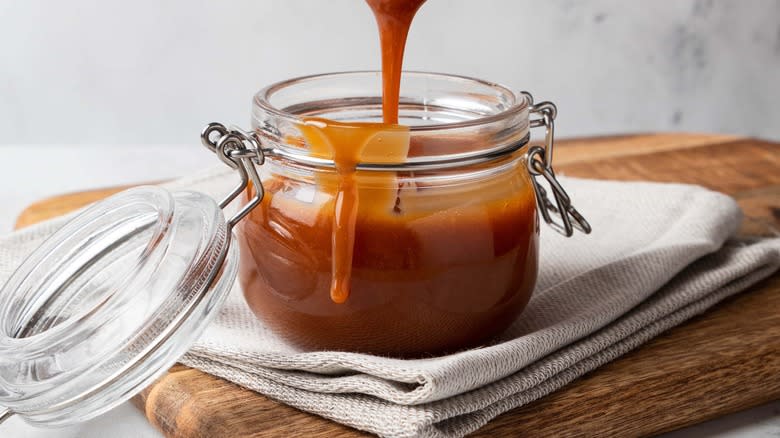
721,362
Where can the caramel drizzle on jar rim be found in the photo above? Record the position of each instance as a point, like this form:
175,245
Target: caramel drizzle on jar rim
348,144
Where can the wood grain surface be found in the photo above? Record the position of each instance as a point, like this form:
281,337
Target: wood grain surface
721,362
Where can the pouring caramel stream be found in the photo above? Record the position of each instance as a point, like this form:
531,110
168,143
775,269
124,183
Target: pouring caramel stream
393,18
347,144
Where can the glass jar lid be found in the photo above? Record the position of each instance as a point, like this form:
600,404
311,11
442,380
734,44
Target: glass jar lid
110,301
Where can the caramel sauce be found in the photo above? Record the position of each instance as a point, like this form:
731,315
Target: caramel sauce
393,17
347,144
414,268
452,269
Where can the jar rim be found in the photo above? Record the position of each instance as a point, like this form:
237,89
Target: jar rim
520,101
476,121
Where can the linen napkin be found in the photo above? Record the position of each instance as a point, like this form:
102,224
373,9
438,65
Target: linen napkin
658,255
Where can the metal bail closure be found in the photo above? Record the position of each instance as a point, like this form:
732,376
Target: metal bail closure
540,164
241,151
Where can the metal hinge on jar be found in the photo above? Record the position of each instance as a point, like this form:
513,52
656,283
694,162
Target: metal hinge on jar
540,164
241,151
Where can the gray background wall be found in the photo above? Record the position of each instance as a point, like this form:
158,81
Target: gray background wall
151,71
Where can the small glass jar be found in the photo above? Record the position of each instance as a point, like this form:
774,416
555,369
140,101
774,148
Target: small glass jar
445,248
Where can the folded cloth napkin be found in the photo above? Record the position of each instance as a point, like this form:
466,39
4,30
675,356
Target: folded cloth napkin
658,255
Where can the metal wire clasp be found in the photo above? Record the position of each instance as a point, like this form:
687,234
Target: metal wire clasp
540,164
241,151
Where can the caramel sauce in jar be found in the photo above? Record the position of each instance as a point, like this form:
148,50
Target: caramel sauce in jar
440,260
402,263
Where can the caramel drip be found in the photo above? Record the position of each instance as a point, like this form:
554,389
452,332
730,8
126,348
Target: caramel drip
347,144
344,216
393,17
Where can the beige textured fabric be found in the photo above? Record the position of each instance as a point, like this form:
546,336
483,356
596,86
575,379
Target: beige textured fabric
659,254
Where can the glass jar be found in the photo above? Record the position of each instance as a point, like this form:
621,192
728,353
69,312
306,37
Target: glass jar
445,247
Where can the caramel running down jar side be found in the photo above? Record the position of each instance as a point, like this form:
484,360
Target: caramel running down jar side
444,234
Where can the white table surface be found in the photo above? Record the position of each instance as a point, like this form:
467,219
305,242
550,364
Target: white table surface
29,173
